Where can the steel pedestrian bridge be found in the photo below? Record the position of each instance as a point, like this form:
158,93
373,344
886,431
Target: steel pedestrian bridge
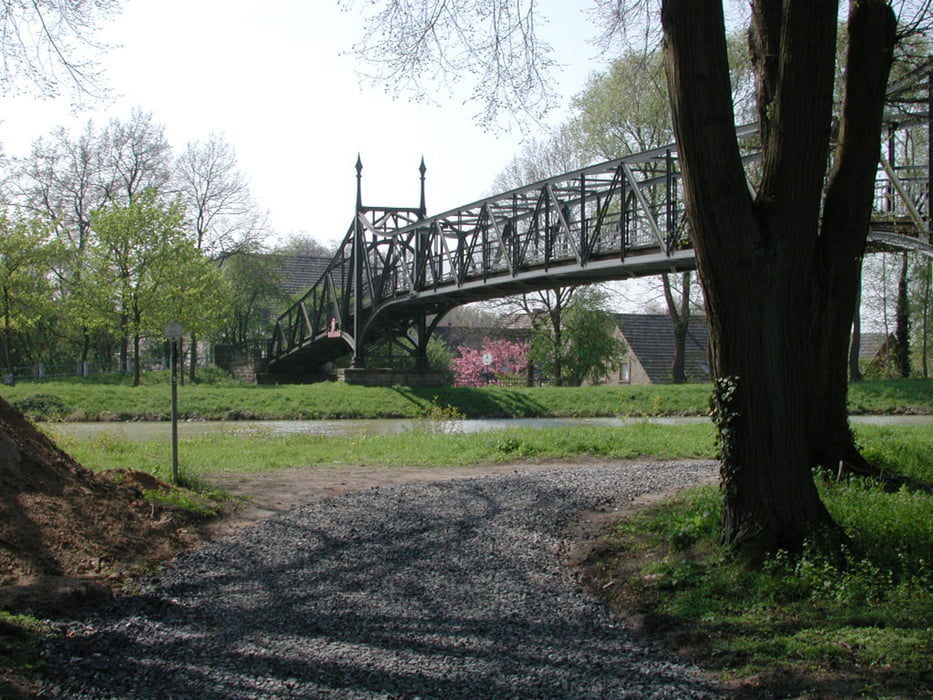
398,271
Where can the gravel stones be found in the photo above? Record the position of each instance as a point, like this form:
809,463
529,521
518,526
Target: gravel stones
452,589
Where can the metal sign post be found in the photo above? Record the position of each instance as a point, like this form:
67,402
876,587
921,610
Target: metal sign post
173,331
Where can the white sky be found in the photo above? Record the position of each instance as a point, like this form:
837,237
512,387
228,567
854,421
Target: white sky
271,79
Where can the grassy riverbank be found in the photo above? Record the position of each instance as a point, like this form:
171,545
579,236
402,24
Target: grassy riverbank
238,450
809,626
110,398
258,450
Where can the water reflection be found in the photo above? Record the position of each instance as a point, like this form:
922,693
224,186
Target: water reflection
142,432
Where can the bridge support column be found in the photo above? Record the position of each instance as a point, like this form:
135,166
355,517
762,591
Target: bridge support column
421,349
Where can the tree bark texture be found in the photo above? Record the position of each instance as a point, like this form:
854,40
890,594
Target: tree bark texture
855,347
780,281
193,365
136,368
902,331
680,319
925,319
556,312
846,217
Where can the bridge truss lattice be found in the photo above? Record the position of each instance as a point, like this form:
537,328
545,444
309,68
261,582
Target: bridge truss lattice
397,272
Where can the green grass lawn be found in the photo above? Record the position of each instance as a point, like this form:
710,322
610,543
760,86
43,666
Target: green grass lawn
225,399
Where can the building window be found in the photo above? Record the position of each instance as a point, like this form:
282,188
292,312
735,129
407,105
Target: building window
625,373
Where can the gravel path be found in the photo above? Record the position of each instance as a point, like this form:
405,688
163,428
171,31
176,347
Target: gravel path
453,589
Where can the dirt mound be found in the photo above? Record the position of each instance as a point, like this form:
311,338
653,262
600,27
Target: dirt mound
69,535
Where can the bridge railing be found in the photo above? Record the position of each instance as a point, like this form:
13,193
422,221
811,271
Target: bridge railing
614,210
610,211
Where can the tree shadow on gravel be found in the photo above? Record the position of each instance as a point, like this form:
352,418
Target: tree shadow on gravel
389,598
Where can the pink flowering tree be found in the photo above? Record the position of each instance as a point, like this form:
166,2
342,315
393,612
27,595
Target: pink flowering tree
508,359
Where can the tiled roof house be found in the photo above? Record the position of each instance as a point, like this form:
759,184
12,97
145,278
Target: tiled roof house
650,354
300,272
873,345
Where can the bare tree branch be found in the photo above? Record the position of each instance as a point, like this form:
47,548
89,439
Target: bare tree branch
47,46
632,24
415,46
915,18
223,216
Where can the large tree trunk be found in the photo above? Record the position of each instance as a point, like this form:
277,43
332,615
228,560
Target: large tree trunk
556,313
193,365
846,217
902,332
680,319
779,297
925,319
679,363
855,344
136,367
85,344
